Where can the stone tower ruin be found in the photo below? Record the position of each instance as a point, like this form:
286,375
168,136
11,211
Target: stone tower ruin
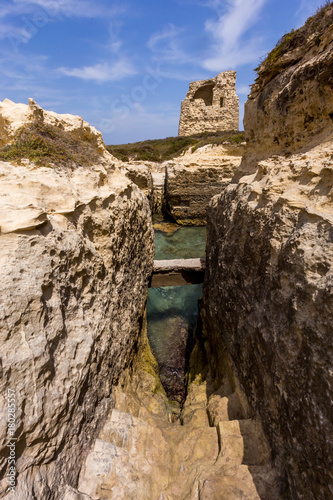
210,106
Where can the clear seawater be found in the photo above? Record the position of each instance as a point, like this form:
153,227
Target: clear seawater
184,243
172,313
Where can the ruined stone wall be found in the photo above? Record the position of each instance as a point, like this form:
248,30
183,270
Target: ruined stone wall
210,106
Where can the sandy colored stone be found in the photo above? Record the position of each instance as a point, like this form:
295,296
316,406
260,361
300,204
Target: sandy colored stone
15,115
153,457
268,283
210,106
76,252
194,178
142,177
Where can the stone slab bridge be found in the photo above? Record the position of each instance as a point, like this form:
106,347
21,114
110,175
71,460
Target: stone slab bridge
177,272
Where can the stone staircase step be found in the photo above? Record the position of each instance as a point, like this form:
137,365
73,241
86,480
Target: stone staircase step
226,408
243,442
231,483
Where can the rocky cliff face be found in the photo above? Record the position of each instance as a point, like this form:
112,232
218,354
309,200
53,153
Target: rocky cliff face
268,303
76,250
193,179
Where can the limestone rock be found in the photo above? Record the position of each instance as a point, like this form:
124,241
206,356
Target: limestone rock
301,94
268,303
193,179
151,456
76,252
142,177
210,106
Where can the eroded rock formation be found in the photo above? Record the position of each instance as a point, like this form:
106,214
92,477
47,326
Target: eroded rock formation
149,449
194,178
268,303
76,251
210,106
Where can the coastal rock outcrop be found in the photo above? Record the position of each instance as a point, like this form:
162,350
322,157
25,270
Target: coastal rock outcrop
142,177
268,302
76,251
148,449
194,178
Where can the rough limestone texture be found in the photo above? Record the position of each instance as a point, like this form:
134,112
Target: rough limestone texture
194,178
76,251
142,177
150,450
15,115
210,106
149,177
268,292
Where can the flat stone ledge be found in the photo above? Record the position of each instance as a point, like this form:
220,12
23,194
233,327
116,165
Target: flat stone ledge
167,266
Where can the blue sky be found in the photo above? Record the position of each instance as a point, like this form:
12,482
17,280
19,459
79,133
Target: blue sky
125,66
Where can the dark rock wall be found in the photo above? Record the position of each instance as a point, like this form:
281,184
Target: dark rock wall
268,292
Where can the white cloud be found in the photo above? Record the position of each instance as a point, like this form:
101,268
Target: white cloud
71,8
102,72
166,45
229,48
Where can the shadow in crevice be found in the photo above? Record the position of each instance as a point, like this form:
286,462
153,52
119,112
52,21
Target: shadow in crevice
243,446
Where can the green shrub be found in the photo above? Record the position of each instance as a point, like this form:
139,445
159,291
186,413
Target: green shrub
160,150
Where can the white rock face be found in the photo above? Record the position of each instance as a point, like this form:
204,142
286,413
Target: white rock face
18,114
76,250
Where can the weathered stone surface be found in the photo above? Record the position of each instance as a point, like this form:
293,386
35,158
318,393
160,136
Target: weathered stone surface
150,178
179,265
143,452
142,177
14,115
294,109
210,106
268,303
76,251
193,179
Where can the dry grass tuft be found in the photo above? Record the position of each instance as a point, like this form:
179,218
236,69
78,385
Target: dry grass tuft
47,145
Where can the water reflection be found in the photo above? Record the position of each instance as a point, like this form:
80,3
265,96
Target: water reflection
184,243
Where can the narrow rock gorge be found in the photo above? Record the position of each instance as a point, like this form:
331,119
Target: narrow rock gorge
250,416
268,304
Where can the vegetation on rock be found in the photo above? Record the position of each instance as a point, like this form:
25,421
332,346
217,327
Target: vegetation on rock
160,150
4,131
297,41
47,145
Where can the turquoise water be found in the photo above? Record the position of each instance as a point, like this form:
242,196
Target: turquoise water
184,243
172,313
